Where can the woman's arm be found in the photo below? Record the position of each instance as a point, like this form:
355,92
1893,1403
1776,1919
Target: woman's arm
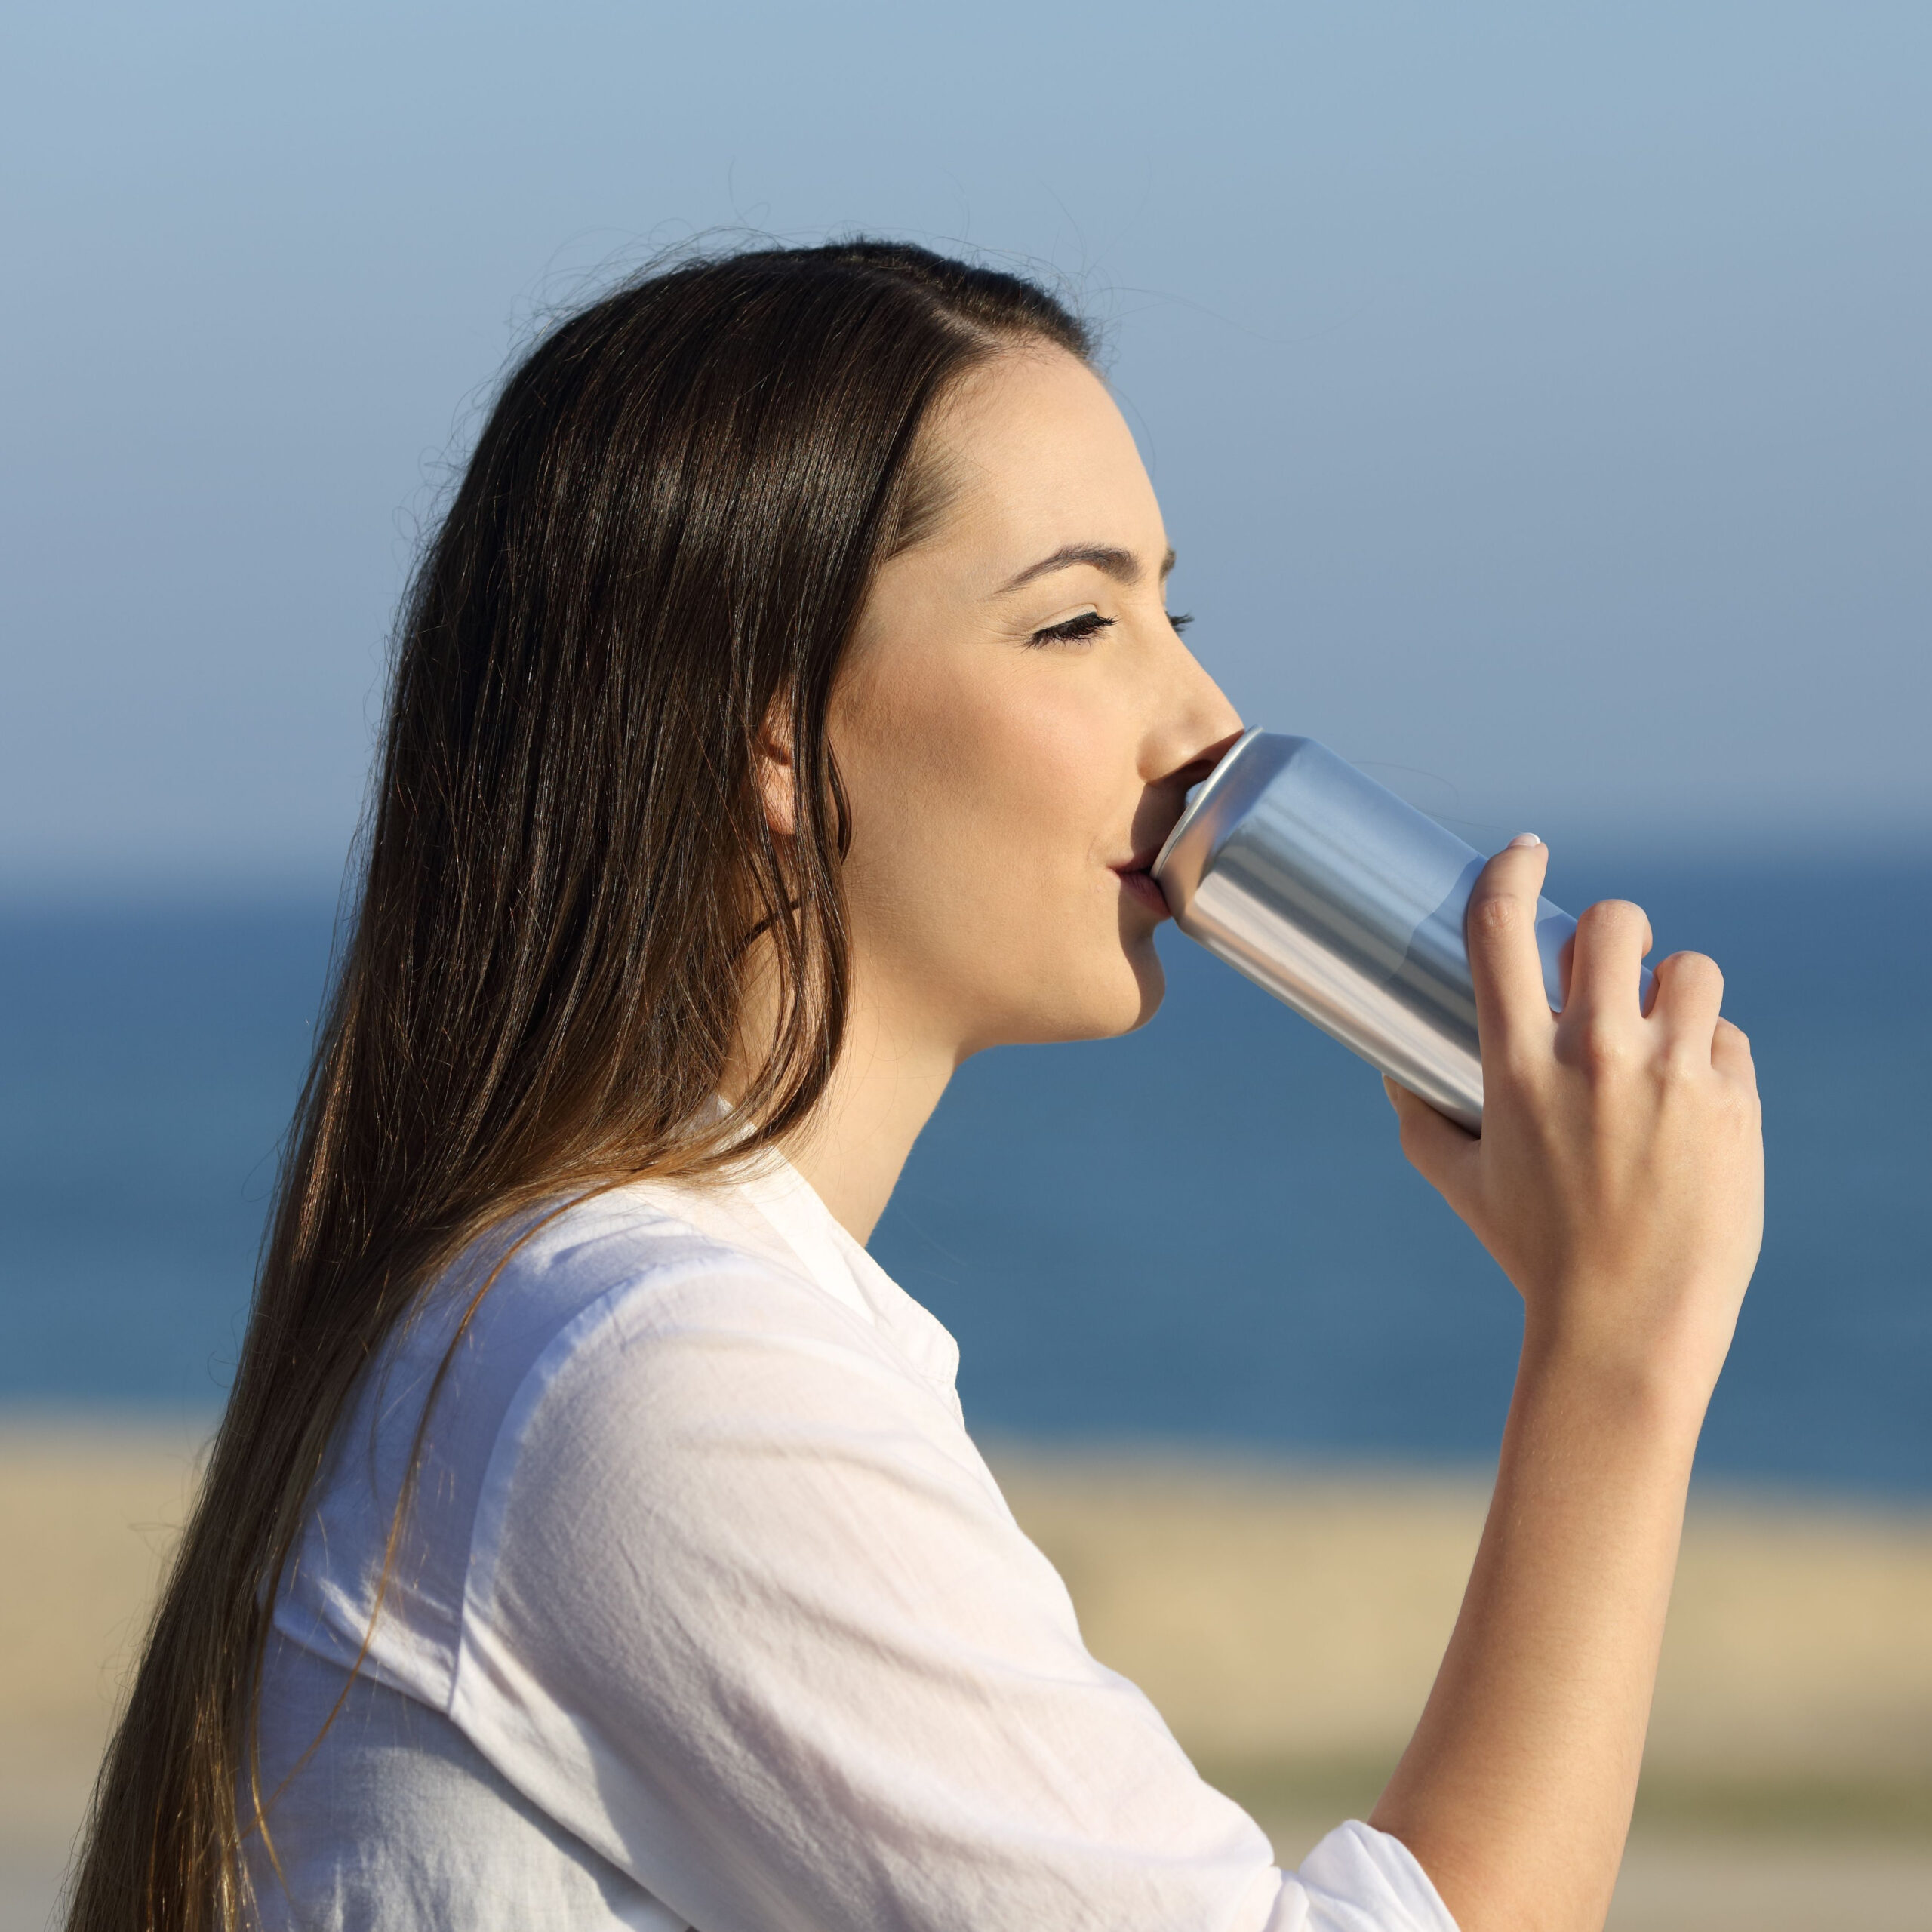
1619,1182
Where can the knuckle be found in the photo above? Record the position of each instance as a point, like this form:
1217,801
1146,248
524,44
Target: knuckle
1605,1055
1683,1065
1613,918
1494,915
1694,970
1597,1047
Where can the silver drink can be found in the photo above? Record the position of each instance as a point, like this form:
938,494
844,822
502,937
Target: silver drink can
1347,904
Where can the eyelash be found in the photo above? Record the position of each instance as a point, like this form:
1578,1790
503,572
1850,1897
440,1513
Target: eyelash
1075,630
1090,623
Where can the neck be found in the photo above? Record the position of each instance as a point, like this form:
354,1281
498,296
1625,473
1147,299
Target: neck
891,1073
889,1078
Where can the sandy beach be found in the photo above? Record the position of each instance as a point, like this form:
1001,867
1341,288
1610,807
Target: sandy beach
1286,1621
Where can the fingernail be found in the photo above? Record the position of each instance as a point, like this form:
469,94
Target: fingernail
1525,838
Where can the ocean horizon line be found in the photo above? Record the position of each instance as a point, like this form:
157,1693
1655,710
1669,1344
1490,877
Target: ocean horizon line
135,881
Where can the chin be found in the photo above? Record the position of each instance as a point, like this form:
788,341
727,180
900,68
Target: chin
1150,979
1123,999
1095,998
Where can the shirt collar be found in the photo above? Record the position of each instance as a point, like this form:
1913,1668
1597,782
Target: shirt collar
839,1264
791,1204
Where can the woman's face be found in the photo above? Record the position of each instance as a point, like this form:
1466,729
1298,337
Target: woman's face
1017,725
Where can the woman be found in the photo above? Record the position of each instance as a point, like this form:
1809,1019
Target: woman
787,710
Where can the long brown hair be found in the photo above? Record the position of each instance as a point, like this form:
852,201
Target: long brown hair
659,550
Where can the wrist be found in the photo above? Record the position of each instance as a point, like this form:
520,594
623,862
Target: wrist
1615,1378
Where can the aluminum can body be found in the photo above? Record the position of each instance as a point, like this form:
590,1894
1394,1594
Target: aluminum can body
1347,904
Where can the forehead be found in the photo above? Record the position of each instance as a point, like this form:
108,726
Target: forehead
1039,456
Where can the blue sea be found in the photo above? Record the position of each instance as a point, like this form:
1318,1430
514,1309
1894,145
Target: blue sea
1204,1234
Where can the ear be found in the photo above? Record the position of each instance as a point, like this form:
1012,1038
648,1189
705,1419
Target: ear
774,772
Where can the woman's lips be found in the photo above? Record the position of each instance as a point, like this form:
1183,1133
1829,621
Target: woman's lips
1140,883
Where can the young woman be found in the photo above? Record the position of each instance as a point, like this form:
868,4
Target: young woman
787,710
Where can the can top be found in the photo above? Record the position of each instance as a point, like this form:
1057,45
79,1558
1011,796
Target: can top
1218,803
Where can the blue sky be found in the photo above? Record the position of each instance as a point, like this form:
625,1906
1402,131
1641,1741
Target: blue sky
1538,394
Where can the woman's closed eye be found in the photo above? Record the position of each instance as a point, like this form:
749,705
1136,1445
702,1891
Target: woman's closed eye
1089,625
1072,630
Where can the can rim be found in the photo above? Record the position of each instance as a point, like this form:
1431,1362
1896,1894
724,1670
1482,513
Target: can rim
1204,794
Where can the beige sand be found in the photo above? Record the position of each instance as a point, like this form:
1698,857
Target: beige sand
1287,1623
88,1511
1300,1617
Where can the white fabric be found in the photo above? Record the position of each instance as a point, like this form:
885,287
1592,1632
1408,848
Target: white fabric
708,1613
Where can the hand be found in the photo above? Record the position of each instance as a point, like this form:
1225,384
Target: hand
1618,1177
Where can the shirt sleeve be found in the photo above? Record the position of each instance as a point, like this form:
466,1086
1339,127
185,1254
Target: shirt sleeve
747,1613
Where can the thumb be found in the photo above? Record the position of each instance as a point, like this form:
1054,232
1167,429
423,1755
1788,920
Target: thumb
1439,1151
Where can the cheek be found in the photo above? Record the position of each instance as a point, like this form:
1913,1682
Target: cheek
981,814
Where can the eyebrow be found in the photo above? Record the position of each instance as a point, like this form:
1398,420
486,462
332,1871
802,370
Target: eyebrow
1123,566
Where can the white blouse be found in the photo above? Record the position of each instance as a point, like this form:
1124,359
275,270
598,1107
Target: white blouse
707,1613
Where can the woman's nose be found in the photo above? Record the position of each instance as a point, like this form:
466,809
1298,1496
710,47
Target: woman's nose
1201,726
